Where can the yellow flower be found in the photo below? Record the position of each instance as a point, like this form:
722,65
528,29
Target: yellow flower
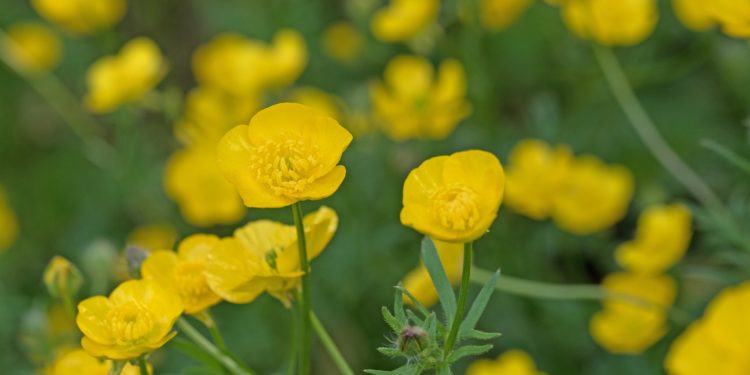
658,290
32,47
262,257
153,237
125,77
62,278
81,16
418,281
192,179
512,362
733,16
594,196
242,67
8,223
402,20
662,237
318,99
183,271
342,41
535,175
611,22
454,198
288,153
136,319
718,342
412,103
496,15
694,14
77,362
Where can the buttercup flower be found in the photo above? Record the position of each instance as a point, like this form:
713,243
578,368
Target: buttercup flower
535,175
733,16
77,362
512,362
718,342
262,257
496,15
454,198
126,77
183,271
412,103
418,281
136,319
192,179
32,47
342,41
81,16
594,196
8,223
695,14
662,237
611,22
402,20
153,237
288,153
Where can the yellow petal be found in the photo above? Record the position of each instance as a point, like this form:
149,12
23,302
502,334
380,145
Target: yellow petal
91,319
197,246
160,266
232,265
326,185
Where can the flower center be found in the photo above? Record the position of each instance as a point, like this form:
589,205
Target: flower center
129,323
190,282
287,167
455,207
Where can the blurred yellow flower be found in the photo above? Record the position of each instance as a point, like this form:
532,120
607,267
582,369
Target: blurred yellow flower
733,16
193,180
594,196
454,198
412,103
658,290
318,99
77,362
342,41
535,175
8,223
136,319
718,342
262,257
242,66
402,20
512,362
62,278
662,237
611,22
153,237
694,14
81,16
288,153
183,271
32,47
418,281
125,77
496,15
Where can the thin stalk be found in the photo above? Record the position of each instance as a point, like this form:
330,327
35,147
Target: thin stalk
214,330
727,154
462,296
117,367
228,362
330,346
305,345
142,365
292,365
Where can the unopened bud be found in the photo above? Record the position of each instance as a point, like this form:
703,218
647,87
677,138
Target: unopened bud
412,340
62,278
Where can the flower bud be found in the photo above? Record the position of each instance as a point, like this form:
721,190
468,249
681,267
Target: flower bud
413,340
62,278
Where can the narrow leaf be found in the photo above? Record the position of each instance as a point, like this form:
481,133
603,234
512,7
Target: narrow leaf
480,335
477,308
468,350
420,307
398,306
392,321
439,278
378,372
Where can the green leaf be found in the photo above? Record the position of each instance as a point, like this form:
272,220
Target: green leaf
192,350
480,335
439,278
398,306
445,370
477,308
420,307
393,322
378,372
468,350
389,351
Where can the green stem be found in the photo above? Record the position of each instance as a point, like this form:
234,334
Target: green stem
462,295
142,365
727,154
117,367
304,305
330,346
292,366
210,349
214,330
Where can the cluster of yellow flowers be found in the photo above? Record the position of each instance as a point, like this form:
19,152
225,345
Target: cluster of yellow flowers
662,237
79,361
81,16
8,223
548,182
512,362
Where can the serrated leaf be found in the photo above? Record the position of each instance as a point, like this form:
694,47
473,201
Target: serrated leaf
477,308
398,306
439,278
429,325
392,321
480,335
414,318
420,307
468,350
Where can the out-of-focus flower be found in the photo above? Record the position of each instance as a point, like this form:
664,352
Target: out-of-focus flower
454,198
342,41
611,22
81,16
412,103
418,281
242,66
193,180
153,237
62,278
718,342
125,77
662,237
497,15
136,319
594,196
8,223
183,271
288,153
403,20
318,99
630,327
733,16
512,362
32,47
535,175
77,362
262,257
694,14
